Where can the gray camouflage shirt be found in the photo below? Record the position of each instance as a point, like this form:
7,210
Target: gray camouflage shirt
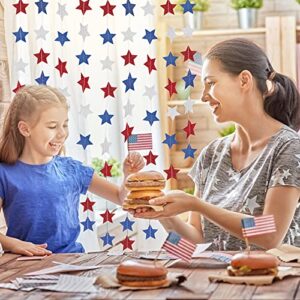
244,191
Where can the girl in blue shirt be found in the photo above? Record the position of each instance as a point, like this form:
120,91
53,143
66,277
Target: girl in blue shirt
39,190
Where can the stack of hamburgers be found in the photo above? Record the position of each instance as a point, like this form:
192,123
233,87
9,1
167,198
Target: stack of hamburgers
144,186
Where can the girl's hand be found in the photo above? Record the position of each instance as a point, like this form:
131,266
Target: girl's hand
29,249
134,162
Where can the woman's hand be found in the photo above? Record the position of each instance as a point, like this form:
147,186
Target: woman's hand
26,248
134,162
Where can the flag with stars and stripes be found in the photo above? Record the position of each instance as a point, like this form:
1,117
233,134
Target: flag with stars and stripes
258,225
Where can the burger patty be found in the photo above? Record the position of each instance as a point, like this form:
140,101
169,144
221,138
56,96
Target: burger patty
153,183
137,201
248,272
139,278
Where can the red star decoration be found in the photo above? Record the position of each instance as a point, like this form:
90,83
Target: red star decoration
106,170
41,56
107,216
87,204
150,64
129,58
127,243
108,9
61,67
171,87
20,7
151,158
108,90
189,128
168,7
19,85
84,82
171,172
127,132
83,6
188,53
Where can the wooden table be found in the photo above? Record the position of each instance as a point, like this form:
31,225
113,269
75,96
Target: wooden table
197,273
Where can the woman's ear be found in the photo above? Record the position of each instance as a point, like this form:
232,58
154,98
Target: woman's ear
24,128
246,79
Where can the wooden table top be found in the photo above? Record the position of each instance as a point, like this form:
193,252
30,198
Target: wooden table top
197,273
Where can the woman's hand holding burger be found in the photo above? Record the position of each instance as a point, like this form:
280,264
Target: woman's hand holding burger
133,163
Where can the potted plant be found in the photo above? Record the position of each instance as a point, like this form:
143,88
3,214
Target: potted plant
193,20
247,12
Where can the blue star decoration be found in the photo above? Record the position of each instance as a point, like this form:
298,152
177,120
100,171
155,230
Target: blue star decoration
107,37
88,224
150,232
150,36
128,8
84,141
129,83
62,37
105,118
187,7
127,224
170,140
189,79
170,59
107,239
42,79
41,6
189,151
20,35
151,117
83,58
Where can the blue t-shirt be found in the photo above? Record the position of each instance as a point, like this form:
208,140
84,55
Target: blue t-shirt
40,202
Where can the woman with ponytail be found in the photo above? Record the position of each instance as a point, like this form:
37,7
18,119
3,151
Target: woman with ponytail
253,172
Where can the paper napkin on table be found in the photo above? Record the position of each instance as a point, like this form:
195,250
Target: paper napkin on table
286,253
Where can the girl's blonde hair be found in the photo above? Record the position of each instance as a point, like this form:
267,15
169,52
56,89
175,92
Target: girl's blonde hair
27,105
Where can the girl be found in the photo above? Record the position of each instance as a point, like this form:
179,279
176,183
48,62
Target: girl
39,190
256,170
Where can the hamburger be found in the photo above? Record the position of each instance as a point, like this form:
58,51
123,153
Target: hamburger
249,264
144,186
142,274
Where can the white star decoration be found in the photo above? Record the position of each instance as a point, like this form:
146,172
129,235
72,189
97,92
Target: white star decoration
187,31
128,35
106,63
65,92
85,111
171,33
149,92
41,33
61,11
251,204
128,108
84,31
20,65
105,146
148,9
172,112
188,104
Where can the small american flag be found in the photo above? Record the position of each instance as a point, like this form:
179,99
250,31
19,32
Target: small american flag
258,225
196,65
141,141
178,246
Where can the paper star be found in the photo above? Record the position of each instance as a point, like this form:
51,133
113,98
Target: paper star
83,58
172,112
107,63
107,37
128,35
108,9
42,79
61,67
105,118
61,11
84,82
188,104
127,224
150,158
127,132
170,59
128,8
171,33
149,92
188,53
41,6
62,37
148,9
65,92
41,33
129,58
85,111
107,239
171,172
170,140
187,7
252,204
129,83
187,31
88,224
150,36
20,65
83,32
189,128
84,6
20,35
105,146
19,85
128,108
41,56
286,174
20,7
150,64
106,170
88,205
171,87
107,216
151,117
168,7
189,79
150,232
84,141
108,90
189,151
127,243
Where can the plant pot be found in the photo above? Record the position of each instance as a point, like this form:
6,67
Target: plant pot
194,21
247,17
